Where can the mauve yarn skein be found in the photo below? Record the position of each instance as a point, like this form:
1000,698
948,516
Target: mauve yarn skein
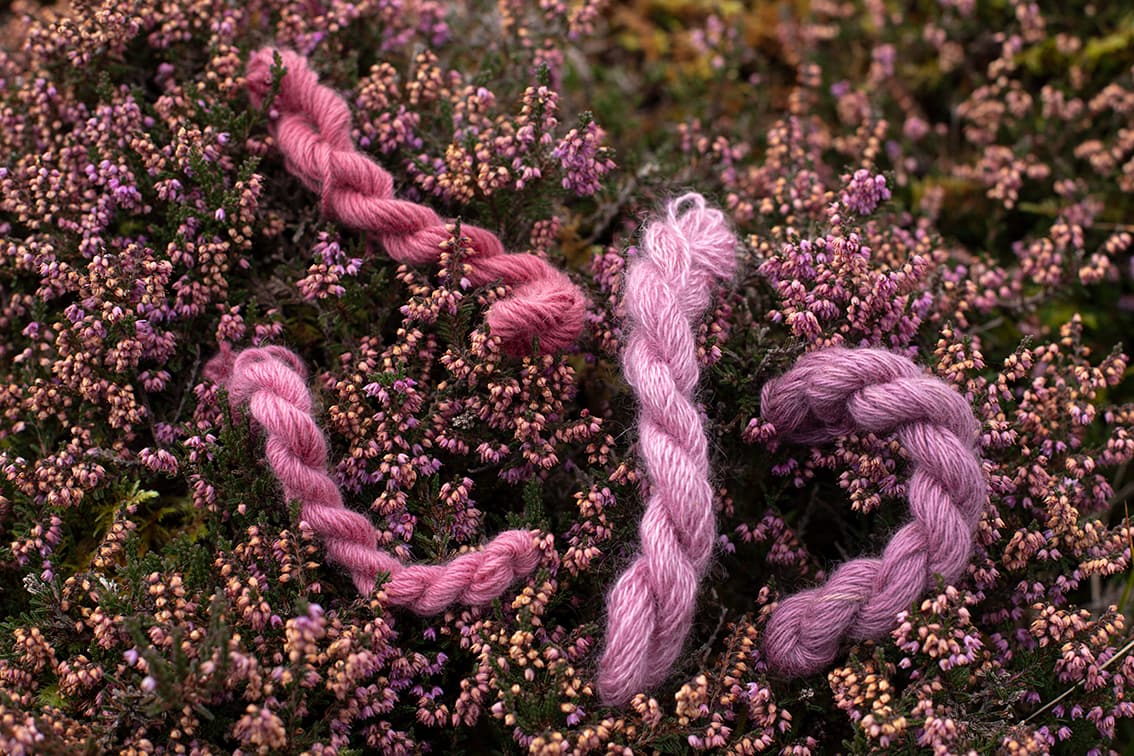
312,129
272,382
668,287
837,391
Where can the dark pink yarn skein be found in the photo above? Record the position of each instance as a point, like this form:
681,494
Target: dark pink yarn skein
312,129
835,392
271,381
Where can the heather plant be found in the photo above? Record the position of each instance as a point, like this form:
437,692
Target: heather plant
950,181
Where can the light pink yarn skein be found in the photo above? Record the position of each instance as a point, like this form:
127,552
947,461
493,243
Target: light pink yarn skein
668,288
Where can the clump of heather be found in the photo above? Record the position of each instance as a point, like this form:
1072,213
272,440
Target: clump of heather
951,182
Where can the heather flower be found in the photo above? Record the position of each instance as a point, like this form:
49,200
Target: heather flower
583,161
864,192
331,267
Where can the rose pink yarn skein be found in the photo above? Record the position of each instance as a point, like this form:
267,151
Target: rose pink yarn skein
668,288
272,382
312,130
834,392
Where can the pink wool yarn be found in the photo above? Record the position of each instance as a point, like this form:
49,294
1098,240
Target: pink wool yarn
272,381
312,129
835,392
668,288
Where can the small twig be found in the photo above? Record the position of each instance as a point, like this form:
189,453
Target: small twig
1130,544
602,218
185,393
994,323
1118,655
708,647
107,456
1123,493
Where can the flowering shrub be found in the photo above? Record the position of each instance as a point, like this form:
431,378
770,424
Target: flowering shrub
950,181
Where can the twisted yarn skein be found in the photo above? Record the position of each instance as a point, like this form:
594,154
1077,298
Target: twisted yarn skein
668,288
837,391
313,133
272,382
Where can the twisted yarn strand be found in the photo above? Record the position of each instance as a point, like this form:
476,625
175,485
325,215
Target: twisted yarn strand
668,288
313,133
272,382
837,391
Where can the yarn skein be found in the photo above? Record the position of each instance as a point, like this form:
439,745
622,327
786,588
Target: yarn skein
312,130
834,392
668,287
271,381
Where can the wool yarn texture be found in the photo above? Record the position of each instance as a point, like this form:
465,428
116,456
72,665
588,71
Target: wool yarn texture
272,382
668,287
839,391
311,126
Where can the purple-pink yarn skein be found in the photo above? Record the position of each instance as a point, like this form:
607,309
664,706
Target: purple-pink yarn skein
835,392
271,381
668,288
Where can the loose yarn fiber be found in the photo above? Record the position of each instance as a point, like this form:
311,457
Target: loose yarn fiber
272,381
838,391
313,133
668,288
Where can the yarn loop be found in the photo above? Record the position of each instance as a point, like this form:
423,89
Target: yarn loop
834,392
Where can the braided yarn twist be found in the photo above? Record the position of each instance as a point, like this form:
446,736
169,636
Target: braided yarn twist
313,133
272,382
834,392
668,287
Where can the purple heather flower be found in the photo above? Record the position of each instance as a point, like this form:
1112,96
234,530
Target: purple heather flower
864,192
583,159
